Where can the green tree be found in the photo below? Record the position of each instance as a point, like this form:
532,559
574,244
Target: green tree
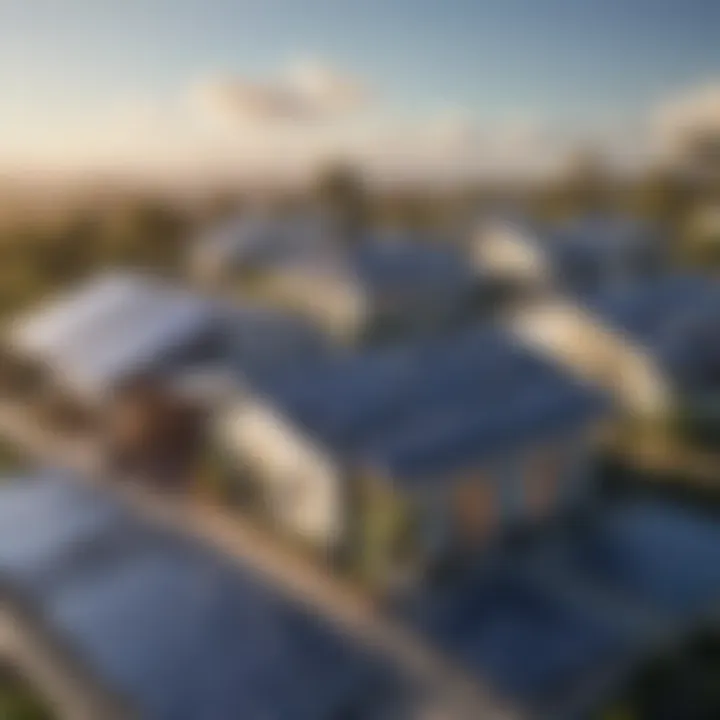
341,193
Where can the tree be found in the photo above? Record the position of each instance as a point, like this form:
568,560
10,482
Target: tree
340,192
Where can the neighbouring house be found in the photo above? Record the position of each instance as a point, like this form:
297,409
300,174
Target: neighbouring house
135,362
109,616
394,461
588,255
654,343
379,286
674,321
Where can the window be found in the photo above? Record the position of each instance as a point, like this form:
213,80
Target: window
475,508
542,481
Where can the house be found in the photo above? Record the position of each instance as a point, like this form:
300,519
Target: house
591,254
379,286
653,343
396,460
113,617
137,361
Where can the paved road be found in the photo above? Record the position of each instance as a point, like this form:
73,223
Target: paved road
457,696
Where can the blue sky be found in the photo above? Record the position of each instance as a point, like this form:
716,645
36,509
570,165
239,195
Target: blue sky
68,62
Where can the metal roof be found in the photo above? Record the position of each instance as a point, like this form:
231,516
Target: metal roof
173,629
433,407
112,327
64,316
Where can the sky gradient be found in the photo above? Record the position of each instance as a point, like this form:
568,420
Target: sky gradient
75,69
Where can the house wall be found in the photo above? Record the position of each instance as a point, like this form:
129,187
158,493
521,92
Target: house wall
534,484
299,484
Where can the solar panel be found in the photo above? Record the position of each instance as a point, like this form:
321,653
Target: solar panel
533,647
431,406
660,315
650,552
176,630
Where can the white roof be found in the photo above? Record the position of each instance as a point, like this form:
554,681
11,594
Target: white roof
114,326
60,320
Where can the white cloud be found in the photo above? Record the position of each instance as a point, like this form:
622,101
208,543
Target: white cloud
305,91
326,88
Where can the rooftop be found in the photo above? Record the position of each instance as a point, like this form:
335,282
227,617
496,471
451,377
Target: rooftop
434,407
168,626
121,324
379,262
675,317
113,326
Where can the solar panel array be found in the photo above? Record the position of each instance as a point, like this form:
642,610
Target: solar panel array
514,624
531,645
173,629
434,406
402,267
650,553
675,318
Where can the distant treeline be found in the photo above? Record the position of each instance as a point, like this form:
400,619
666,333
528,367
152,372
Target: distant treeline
47,245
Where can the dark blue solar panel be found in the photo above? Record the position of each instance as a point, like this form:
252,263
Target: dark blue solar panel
177,630
403,266
432,406
646,309
674,318
532,646
654,553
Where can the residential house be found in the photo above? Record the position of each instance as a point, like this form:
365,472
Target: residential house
591,254
654,343
123,356
397,460
379,286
